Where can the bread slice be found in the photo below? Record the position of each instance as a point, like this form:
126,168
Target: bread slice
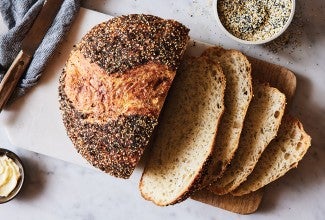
260,127
114,85
185,139
238,95
283,154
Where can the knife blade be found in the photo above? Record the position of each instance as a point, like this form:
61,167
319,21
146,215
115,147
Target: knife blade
30,44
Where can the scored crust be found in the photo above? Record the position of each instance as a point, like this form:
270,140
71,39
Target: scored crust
114,85
100,96
114,147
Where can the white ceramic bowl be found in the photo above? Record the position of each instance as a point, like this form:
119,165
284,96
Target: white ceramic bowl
215,9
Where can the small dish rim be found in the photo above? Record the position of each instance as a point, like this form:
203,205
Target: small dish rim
284,28
18,161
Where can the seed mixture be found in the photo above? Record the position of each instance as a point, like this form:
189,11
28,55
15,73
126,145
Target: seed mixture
254,20
291,39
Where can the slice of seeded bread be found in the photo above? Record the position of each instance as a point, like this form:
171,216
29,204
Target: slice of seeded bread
185,138
238,95
283,154
260,127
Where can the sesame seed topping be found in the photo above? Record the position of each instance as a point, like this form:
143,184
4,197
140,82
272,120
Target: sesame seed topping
254,20
128,41
115,145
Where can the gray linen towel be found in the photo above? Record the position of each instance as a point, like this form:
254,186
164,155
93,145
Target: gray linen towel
19,16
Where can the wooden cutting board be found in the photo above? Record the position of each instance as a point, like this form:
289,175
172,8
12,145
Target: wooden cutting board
34,121
245,204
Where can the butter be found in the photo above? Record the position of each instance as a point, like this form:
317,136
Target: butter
9,175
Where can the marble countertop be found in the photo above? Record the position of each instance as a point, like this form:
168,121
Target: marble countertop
59,190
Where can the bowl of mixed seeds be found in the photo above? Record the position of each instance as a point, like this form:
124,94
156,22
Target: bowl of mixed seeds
254,21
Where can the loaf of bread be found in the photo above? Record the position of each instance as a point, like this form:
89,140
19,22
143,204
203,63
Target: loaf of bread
181,152
114,85
283,154
260,127
238,95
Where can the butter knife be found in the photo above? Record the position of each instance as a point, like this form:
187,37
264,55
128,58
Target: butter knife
29,45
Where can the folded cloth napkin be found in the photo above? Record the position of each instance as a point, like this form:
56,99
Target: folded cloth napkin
19,16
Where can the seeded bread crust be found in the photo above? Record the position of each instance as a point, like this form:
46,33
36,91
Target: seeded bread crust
125,42
114,147
114,86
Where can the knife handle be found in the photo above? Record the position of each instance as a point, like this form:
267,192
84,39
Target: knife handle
12,76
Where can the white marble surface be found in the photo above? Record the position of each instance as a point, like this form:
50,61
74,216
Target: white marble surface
59,190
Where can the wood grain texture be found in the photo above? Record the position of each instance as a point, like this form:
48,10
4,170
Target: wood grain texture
284,80
239,204
277,76
12,76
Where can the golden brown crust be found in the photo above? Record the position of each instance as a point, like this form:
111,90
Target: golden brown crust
114,86
114,147
141,90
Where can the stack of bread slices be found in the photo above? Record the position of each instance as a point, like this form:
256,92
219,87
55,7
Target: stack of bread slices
220,131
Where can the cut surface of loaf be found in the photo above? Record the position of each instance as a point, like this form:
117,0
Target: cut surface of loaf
283,154
238,95
114,85
185,138
260,127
